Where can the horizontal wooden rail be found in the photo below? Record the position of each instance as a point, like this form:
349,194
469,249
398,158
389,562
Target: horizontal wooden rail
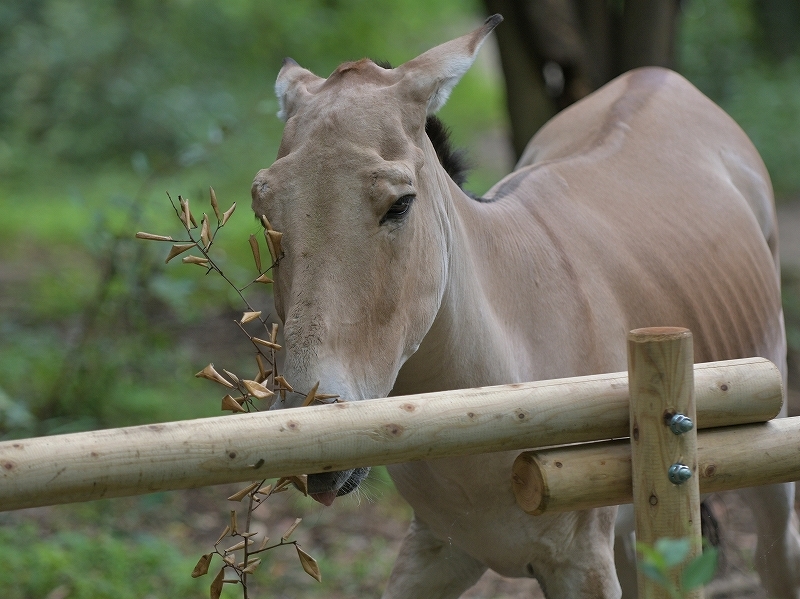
227,449
593,475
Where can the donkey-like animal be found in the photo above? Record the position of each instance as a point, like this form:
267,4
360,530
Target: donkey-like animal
642,205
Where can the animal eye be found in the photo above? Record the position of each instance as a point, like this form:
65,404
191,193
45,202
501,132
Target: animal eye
399,209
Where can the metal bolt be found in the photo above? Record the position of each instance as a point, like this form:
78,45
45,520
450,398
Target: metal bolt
680,424
679,474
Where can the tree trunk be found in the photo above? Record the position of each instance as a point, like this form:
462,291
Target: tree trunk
555,52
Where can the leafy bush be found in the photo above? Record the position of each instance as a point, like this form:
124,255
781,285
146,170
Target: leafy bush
87,81
92,566
722,52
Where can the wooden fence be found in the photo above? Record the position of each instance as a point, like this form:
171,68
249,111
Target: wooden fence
734,400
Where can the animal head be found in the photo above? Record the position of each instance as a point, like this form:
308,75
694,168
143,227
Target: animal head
361,200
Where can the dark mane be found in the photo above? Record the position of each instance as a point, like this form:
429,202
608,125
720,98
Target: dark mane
453,160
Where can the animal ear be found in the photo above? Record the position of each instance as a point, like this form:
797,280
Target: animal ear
294,83
431,76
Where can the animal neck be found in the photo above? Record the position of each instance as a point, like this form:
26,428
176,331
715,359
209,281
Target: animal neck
468,344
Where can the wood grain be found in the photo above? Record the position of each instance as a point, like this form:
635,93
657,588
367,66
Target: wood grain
592,475
246,447
661,381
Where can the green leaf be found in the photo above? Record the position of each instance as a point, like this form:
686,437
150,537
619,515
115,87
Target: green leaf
651,556
653,572
700,570
674,551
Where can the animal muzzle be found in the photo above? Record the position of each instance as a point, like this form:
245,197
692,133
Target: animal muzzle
327,486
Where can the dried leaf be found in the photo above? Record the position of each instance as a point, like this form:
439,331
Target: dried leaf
150,236
301,482
230,404
263,545
248,316
202,566
257,390
233,376
275,238
311,395
212,375
205,232
264,279
230,560
266,343
270,247
247,535
216,586
265,490
256,252
262,369
309,564
274,334
321,396
285,536
252,565
266,223
282,484
239,545
195,260
234,530
214,204
282,382
179,248
227,214
186,214
222,536
239,495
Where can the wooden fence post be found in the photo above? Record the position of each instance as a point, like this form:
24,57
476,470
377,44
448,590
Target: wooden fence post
666,496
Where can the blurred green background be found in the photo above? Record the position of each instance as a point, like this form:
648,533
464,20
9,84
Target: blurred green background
105,106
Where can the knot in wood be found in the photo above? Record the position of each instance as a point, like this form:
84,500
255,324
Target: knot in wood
394,430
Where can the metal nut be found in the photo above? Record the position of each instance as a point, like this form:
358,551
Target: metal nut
679,474
680,424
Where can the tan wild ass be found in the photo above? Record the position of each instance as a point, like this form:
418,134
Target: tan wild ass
642,205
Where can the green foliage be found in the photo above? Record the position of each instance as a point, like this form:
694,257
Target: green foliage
722,51
103,106
92,566
668,556
90,339
87,81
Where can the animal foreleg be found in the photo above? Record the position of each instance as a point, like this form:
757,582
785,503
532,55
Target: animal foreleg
430,568
625,551
777,557
581,565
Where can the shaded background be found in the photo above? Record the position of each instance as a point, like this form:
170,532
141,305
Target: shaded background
106,106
